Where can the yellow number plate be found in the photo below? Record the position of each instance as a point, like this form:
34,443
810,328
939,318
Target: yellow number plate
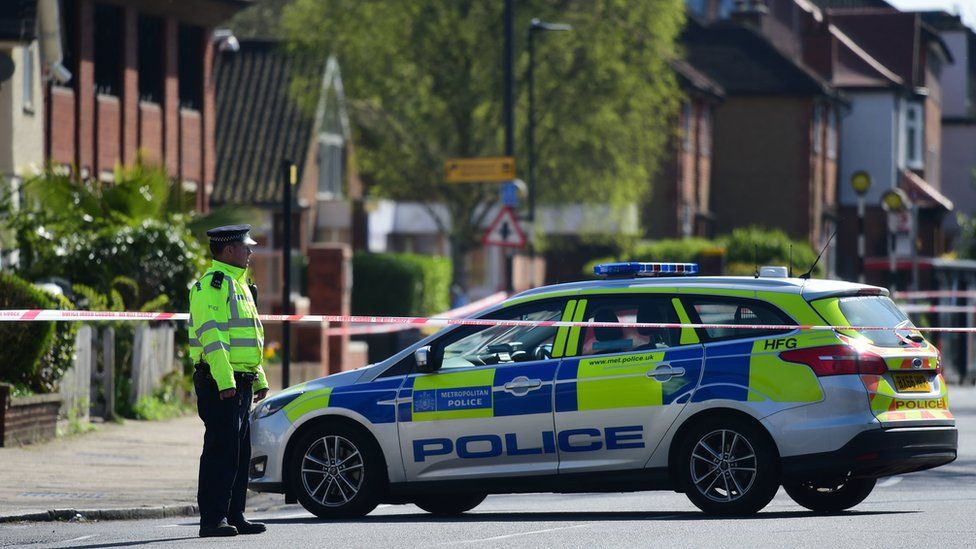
911,383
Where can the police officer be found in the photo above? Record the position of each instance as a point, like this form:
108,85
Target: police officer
226,345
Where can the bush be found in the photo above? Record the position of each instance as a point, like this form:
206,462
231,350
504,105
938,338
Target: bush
26,342
161,257
743,249
747,247
400,284
61,356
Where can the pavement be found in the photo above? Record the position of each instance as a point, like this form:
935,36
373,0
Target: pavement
137,469
152,466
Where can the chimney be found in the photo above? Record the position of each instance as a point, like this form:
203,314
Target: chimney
750,13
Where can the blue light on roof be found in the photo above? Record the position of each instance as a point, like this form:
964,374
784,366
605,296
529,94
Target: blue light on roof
636,268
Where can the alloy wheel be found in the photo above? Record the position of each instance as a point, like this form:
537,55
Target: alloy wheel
333,471
723,465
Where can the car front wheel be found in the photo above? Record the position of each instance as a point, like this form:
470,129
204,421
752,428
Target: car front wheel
336,472
831,496
729,467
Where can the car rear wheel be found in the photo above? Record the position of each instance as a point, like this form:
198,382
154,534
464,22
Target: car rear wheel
729,467
449,504
336,472
831,496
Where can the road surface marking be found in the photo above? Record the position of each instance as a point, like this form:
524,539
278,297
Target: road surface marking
78,539
890,482
496,538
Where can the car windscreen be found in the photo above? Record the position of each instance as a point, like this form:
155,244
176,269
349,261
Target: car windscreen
877,311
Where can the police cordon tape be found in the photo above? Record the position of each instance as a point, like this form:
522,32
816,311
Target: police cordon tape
48,315
934,294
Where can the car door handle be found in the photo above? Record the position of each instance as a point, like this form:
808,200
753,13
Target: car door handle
522,385
665,372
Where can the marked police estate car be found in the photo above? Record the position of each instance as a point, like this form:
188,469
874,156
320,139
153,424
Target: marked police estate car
724,415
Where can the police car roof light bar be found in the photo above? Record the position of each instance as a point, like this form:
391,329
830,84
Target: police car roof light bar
635,269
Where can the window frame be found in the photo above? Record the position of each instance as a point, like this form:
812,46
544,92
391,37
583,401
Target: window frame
913,135
464,331
688,301
595,301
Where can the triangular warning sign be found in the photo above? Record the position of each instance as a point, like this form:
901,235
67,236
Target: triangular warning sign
505,230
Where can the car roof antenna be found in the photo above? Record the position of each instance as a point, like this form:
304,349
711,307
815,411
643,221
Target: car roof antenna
755,256
791,260
806,275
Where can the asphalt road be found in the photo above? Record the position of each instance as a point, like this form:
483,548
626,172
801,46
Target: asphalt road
934,508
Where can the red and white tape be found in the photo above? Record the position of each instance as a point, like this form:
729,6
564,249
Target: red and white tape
935,294
39,315
460,312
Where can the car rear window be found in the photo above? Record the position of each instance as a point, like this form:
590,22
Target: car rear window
877,311
731,310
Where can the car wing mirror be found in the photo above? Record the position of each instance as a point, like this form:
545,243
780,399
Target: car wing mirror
426,359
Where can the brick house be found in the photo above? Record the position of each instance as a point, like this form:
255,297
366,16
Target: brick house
889,64
774,160
679,204
142,82
958,116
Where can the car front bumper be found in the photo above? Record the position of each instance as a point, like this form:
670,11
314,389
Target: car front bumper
878,453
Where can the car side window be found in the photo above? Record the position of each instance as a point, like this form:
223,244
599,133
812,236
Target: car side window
506,344
731,310
650,309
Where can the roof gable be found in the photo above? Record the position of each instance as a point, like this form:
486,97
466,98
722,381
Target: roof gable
258,123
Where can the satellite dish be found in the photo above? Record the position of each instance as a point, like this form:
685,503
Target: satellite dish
6,67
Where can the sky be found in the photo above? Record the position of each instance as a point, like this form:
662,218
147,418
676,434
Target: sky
966,8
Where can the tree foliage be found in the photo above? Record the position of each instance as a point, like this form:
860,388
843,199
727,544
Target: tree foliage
424,82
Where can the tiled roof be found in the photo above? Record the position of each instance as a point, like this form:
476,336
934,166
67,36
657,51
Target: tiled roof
258,123
18,20
743,62
691,78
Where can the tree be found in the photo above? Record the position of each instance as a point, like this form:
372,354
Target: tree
423,82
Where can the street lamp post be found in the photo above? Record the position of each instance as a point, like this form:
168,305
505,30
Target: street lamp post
861,182
535,26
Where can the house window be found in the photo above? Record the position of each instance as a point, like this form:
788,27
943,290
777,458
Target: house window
331,147
705,132
831,134
108,50
151,59
69,37
28,64
817,128
191,67
687,127
914,124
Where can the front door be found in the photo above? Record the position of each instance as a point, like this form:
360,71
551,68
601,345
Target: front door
618,396
488,410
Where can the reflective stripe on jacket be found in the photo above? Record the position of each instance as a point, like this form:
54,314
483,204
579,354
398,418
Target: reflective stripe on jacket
224,327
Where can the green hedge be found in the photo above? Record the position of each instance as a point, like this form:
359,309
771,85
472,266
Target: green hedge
61,356
26,343
400,284
742,249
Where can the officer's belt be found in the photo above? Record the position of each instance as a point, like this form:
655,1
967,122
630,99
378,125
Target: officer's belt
243,377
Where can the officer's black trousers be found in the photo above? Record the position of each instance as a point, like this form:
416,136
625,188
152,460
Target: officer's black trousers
226,454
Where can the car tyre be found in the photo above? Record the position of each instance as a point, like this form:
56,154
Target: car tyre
449,504
337,472
831,496
728,466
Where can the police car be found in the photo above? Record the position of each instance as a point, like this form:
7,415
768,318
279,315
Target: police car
723,414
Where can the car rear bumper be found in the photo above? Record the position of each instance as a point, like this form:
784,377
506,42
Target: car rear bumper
878,453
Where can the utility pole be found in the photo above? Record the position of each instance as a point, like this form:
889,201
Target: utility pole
289,175
509,108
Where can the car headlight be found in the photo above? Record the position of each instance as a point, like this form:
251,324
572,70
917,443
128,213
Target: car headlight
272,405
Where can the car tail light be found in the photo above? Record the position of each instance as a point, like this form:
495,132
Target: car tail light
835,360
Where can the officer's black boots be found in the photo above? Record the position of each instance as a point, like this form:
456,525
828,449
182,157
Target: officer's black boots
245,527
221,530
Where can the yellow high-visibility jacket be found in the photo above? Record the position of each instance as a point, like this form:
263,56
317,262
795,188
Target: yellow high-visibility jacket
225,331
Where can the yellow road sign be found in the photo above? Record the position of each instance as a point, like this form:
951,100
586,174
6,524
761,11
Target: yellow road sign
474,170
